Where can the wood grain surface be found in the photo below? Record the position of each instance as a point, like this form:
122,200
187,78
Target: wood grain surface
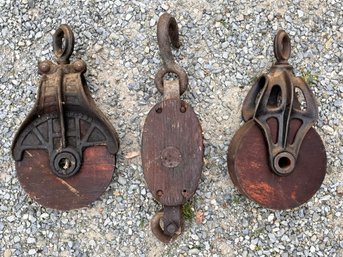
172,151
78,191
250,171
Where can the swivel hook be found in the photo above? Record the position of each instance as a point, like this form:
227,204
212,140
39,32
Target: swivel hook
167,34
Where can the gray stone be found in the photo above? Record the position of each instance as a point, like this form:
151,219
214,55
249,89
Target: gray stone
121,180
222,50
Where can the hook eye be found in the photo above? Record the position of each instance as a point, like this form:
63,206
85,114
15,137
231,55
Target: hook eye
282,46
180,72
63,43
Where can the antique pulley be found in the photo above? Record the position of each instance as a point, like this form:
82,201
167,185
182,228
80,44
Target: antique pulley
172,144
65,149
276,158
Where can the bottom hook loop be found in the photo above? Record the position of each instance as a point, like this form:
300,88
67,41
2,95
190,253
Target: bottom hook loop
172,223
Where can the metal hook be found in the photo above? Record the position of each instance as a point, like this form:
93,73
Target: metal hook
63,50
168,33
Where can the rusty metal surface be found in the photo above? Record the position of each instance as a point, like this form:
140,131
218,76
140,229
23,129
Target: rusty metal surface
63,124
277,159
273,96
172,222
172,144
250,170
168,33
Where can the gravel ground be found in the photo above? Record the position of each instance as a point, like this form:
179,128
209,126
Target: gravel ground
224,47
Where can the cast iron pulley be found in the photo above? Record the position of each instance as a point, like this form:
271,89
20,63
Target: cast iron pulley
65,149
277,158
172,144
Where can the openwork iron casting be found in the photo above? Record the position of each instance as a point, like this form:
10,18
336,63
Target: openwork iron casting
284,109
172,145
65,149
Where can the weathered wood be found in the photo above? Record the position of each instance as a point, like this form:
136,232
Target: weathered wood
42,185
172,151
250,171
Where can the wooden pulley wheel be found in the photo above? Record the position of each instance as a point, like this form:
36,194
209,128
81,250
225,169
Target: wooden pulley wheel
250,171
65,149
276,158
46,180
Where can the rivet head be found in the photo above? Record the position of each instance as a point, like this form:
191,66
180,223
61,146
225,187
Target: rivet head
44,67
79,65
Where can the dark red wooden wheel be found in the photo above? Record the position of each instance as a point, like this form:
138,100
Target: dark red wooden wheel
250,171
79,190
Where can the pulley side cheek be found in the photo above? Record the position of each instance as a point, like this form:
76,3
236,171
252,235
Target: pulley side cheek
172,144
65,149
276,158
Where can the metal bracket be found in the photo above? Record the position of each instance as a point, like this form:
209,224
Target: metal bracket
273,98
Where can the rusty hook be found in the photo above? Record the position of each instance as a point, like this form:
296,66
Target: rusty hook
167,34
63,44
